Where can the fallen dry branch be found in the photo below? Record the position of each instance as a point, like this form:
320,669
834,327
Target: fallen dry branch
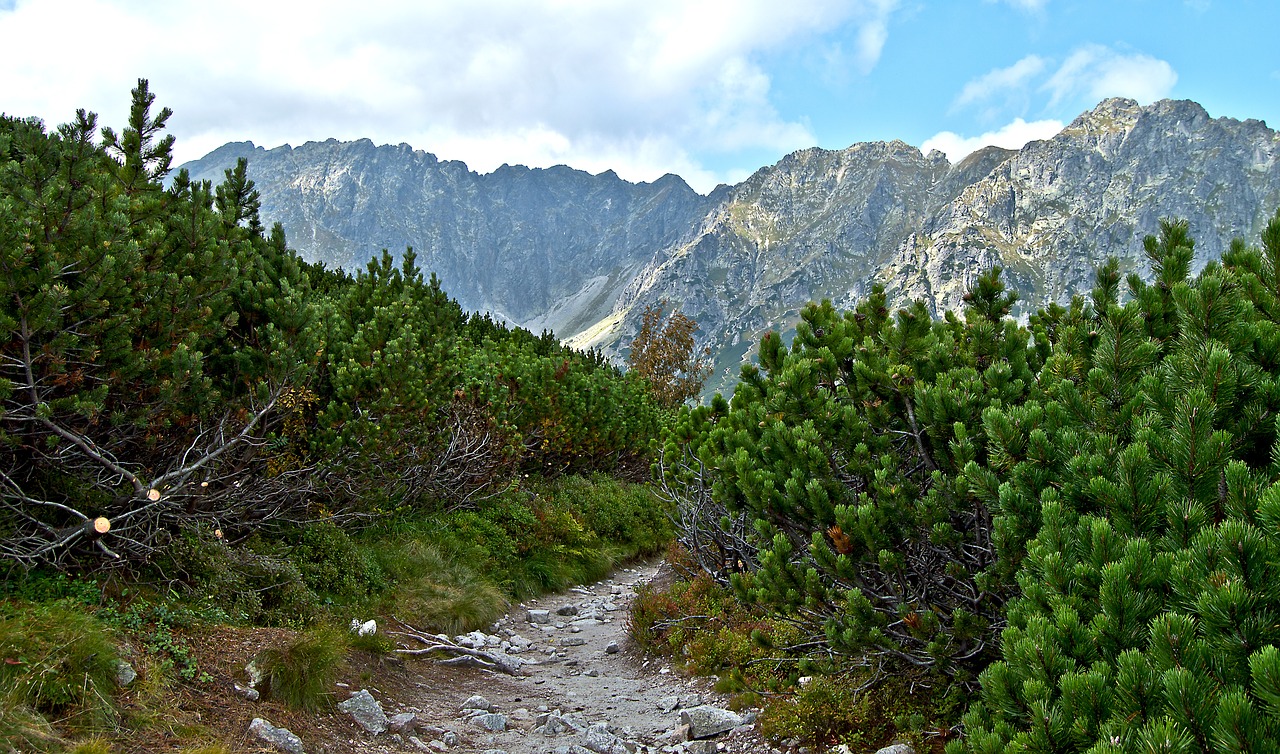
463,656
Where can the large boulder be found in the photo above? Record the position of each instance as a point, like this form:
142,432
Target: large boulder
366,711
707,721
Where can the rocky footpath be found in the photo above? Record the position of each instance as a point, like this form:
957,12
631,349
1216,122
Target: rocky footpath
579,688
572,685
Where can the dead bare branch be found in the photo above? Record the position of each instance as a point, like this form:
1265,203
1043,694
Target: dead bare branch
498,661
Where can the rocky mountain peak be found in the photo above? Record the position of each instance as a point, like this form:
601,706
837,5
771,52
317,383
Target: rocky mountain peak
582,254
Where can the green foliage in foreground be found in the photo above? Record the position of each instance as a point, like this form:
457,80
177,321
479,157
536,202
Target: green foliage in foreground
846,453
449,572
1147,469
169,368
1083,513
55,660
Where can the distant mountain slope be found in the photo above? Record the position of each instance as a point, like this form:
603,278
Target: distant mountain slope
542,248
584,254
1058,208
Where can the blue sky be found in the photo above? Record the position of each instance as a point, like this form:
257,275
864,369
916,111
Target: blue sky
708,90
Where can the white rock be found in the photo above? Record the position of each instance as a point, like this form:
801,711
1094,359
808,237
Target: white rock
248,693
280,738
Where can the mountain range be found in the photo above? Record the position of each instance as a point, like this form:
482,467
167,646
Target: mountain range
582,255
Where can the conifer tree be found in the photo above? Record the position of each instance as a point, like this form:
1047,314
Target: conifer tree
126,379
848,449
1147,619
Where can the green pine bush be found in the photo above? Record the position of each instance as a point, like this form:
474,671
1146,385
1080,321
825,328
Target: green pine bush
1150,591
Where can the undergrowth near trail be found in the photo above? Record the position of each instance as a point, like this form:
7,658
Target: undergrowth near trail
762,660
61,637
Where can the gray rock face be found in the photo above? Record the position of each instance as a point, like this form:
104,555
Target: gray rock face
897,749
583,255
707,721
542,248
1055,210
366,711
280,738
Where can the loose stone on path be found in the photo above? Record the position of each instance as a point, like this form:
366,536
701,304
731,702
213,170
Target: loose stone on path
589,696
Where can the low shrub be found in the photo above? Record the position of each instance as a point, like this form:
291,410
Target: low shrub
46,585
301,672
333,565
627,516
253,582
836,709
759,659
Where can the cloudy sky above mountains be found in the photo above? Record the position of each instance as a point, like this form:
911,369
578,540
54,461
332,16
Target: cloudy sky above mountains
708,90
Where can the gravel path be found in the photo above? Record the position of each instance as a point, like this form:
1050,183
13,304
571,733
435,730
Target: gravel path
582,688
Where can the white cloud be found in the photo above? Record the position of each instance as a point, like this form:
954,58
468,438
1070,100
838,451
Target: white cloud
1030,6
1001,81
1095,72
645,86
1014,135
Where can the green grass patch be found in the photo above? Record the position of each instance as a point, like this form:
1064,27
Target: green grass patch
436,587
56,659
301,672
